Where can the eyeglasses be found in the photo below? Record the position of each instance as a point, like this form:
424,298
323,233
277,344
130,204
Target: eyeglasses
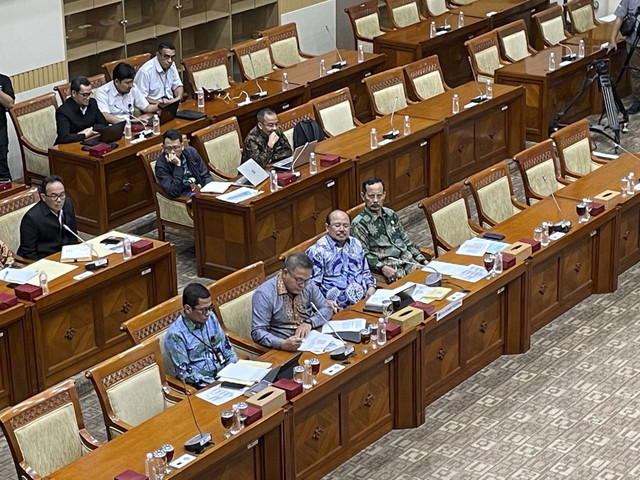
172,149
372,196
300,281
84,94
204,310
56,196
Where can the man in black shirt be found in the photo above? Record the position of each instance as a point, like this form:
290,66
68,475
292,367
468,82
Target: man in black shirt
6,102
79,116
41,231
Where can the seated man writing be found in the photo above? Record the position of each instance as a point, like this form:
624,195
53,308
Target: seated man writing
340,268
282,306
385,242
266,143
180,170
195,341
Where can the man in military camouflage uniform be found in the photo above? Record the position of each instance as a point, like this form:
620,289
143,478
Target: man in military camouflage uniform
266,143
386,244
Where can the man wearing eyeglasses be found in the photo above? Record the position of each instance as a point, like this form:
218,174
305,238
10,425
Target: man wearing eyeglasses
79,117
282,306
266,143
42,229
386,243
340,268
158,78
195,341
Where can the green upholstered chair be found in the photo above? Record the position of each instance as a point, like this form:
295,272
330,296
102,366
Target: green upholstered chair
449,218
170,212
220,146
365,21
514,41
12,209
335,113
132,387
231,298
538,170
254,58
284,45
573,143
403,13
209,70
289,118
425,78
35,124
581,15
492,191
550,25
46,432
485,55
64,90
383,88
435,7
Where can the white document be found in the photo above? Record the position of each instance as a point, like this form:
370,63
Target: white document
472,274
351,325
445,268
240,195
182,460
242,372
51,268
215,187
103,249
316,342
496,247
475,247
556,236
219,395
16,275
73,253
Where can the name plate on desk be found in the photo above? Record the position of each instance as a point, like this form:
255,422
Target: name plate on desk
448,309
76,253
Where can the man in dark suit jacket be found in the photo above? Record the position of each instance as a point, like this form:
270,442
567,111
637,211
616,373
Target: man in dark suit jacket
41,230
79,116
180,170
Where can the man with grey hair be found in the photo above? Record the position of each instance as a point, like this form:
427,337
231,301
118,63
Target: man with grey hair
266,143
282,306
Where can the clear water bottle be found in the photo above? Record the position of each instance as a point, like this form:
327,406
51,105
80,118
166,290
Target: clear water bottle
631,183
273,181
285,82
236,426
552,61
313,164
455,104
360,53
581,49
126,249
545,234
148,467
406,126
44,282
382,332
200,98
489,89
156,124
127,129
460,19
432,30
307,376
373,139
323,68
497,263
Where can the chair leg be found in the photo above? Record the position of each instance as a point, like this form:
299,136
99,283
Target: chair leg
160,231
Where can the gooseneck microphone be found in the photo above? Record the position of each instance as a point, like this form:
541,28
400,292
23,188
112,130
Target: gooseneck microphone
343,352
262,93
393,133
341,63
95,265
564,225
482,96
202,440
435,279
568,58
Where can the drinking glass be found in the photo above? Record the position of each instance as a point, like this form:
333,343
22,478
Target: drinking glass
537,234
160,458
624,181
244,410
315,368
387,309
365,337
169,451
488,265
395,300
581,210
545,234
589,203
298,372
226,417
373,327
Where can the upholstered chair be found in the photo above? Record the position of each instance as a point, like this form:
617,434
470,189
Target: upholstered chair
383,88
135,61
581,15
35,124
435,7
514,41
425,78
403,13
289,118
575,151
449,218
335,113
12,209
170,212
209,70
231,298
46,432
64,90
132,387
485,55
254,58
460,3
284,45
538,170
365,21
220,146
492,191
550,25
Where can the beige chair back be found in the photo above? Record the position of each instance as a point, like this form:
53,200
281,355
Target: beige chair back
220,145
209,70
335,112
254,58
383,88
485,55
365,22
435,7
284,44
12,209
581,15
425,78
96,81
403,13
550,25
538,170
289,118
514,41
574,149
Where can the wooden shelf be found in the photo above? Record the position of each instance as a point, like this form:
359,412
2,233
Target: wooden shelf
193,19
77,6
140,34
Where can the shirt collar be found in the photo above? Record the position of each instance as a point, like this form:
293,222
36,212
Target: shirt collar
334,242
280,286
158,67
191,326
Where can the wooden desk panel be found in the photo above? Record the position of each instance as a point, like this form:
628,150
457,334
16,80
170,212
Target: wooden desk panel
506,11
230,237
13,189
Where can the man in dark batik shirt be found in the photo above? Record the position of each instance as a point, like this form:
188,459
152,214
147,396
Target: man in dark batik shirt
266,143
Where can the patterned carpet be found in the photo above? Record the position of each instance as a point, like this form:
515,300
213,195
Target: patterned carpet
566,409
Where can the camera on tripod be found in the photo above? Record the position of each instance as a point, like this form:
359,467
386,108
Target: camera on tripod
601,65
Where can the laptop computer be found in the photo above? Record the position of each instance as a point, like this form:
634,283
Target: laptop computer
167,113
252,173
300,155
109,134
281,371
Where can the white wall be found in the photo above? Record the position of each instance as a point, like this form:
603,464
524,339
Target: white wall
311,22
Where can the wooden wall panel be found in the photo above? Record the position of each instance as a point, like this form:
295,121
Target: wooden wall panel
54,73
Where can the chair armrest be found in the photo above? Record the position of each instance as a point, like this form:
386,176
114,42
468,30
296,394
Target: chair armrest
305,55
29,471
385,29
427,252
411,102
475,227
601,161
178,386
22,260
30,146
90,442
173,395
357,122
560,180
518,203
245,343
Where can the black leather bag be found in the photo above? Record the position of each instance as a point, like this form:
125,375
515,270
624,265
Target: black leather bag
628,24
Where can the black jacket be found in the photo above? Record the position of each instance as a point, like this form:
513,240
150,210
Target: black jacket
170,176
70,120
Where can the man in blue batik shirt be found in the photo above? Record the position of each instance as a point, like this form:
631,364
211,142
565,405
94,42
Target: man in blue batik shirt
340,268
195,342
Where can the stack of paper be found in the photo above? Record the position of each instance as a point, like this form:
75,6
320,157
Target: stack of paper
51,268
16,275
351,325
245,371
104,250
317,343
215,187
239,195
219,395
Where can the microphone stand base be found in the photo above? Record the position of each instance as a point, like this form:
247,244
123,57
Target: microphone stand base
391,135
339,65
258,95
433,280
562,226
342,353
198,443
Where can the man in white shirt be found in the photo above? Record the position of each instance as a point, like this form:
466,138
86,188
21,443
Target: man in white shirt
118,98
158,79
